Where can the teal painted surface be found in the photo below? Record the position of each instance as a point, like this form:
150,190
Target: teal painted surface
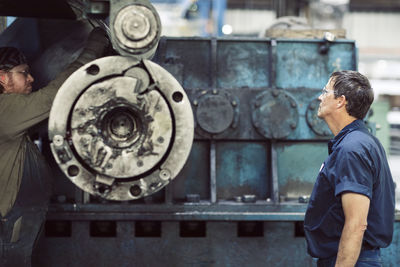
380,109
196,72
298,167
242,168
194,177
299,64
242,64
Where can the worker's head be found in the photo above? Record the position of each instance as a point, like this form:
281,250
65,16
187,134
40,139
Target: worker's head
349,87
14,72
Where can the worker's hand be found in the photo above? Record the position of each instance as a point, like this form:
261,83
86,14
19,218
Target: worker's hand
96,45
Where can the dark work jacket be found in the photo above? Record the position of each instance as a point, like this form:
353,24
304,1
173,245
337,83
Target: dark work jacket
356,163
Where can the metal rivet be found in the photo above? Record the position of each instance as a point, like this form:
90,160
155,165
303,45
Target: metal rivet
58,140
165,174
135,190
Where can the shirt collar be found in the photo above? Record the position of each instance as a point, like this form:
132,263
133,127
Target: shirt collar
357,124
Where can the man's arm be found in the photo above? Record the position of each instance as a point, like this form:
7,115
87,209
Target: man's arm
355,208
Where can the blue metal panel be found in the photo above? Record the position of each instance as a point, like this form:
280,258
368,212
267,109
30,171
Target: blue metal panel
243,64
300,64
194,177
242,168
190,67
298,166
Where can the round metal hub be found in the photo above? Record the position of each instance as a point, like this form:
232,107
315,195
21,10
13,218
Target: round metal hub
206,110
275,114
111,126
123,131
136,27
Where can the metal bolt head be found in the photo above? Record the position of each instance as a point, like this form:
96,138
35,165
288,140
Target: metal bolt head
293,125
165,174
136,26
58,140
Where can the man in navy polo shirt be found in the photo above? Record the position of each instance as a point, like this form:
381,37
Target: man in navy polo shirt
351,210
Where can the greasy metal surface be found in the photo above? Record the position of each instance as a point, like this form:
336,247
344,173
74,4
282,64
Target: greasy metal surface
135,28
275,114
114,138
118,132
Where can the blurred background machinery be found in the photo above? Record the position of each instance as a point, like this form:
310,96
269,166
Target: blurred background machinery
236,196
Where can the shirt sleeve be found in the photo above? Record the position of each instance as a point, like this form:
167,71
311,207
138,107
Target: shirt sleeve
19,112
354,173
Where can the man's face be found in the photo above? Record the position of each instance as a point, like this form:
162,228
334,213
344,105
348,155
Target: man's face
327,98
17,80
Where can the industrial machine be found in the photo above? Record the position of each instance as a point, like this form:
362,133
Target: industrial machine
179,151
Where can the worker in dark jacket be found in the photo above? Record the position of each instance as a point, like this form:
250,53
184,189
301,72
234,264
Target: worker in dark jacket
350,215
24,174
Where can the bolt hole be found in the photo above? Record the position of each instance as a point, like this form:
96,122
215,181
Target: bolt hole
93,69
135,190
73,170
177,96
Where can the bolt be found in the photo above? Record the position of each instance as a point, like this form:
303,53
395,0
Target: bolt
139,163
293,125
58,140
195,102
165,174
275,92
234,103
160,139
293,104
214,91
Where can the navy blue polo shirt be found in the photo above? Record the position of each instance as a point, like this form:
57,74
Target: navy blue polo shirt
356,163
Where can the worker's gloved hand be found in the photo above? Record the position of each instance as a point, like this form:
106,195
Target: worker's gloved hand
96,44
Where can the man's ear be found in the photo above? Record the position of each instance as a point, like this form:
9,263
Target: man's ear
341,101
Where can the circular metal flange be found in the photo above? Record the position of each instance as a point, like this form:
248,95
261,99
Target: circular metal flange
137,28
275,114
318,125
216,111
120,128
